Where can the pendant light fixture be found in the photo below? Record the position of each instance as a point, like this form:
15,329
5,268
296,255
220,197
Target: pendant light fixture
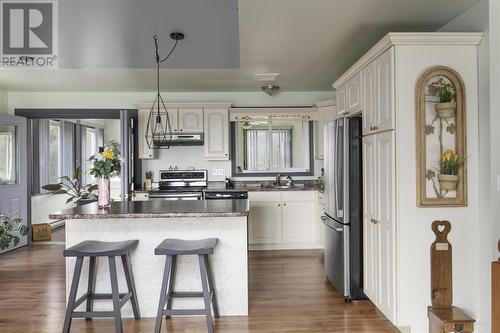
158,129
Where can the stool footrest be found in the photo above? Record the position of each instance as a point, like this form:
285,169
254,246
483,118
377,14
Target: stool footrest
93,314
184,312
185,294
124,297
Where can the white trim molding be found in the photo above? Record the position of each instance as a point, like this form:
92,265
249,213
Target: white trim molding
307,113
409,38
188,105
324,104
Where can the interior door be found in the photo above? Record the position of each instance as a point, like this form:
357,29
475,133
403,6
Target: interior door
13,169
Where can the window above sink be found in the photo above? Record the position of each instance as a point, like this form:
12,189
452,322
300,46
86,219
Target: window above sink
264,146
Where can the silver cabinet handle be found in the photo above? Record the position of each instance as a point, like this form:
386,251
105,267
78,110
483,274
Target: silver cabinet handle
279,205
338,229
375,128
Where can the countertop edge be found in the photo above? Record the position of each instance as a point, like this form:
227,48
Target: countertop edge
108,216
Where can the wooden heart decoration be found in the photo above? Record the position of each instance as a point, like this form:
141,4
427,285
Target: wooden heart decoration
441,227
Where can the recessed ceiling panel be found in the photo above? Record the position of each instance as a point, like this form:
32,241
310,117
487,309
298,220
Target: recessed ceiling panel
119,33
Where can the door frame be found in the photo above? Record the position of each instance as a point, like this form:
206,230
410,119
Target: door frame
127,117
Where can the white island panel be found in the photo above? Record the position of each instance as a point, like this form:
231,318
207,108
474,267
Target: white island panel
229,261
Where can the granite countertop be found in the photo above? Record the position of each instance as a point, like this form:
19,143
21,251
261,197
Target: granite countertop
157,209
259,187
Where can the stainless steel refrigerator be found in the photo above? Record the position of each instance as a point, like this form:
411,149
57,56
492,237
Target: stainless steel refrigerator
344,207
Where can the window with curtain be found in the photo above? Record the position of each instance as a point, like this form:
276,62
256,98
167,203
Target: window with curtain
269,145
54,161
90,149
268,149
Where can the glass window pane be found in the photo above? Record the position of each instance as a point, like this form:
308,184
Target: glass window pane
54,152
272,145
8,155
90,149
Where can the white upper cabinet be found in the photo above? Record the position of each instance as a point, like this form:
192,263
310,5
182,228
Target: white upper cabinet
353,95
368,98
341,94
216,128
190,120
144,151
172,116
327,111
384,91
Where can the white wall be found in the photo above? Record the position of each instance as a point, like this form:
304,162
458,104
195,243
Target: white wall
44,204
180,156
414,224
494,31
4,105
476,20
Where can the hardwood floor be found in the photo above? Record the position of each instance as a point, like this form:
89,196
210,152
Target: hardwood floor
288,293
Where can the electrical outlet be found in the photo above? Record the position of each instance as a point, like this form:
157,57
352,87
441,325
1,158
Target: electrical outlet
218,172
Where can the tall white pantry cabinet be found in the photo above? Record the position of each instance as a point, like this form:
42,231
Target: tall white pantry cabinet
397,234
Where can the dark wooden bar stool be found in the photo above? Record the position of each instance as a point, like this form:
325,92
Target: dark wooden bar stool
94,249
172,248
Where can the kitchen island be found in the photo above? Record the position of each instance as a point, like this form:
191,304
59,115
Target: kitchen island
151,222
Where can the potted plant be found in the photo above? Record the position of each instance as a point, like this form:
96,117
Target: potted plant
107,163
448,167
72,187
9,226
447,105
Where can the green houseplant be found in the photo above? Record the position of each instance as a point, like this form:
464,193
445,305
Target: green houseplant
106,164
9,226
446,93
72,187
449,166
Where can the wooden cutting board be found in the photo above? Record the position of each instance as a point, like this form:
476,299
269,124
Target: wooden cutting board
441,271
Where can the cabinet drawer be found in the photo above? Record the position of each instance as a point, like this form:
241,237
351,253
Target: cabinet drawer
298,196
264,196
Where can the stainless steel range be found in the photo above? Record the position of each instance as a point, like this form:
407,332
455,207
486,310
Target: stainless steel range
180,185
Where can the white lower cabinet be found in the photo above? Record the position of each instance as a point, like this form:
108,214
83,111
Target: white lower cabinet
298,220
264,222
378,221
282,220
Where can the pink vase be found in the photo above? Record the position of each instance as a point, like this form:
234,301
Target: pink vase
104,192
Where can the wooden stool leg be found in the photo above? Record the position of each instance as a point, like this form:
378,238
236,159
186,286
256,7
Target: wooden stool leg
91,285
163,293
129,276
206,292
212,287
72,294
171,284
115,294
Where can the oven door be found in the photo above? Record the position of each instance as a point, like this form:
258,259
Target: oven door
176,196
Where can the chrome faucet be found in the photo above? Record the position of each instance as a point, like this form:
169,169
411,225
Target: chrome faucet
278,179
290,182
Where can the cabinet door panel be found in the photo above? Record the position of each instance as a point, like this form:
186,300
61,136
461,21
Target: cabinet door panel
354,94
368,98
385,217
264,223
144,151
299,224
174,121
384,91
370,253
216,129
341,94
191,120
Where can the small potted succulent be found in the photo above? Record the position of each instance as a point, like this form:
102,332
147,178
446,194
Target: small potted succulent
447,105
448,167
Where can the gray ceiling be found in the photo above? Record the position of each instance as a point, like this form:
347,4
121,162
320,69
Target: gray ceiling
309,42
119,33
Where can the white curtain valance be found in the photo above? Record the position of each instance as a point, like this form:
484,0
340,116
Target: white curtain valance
305,113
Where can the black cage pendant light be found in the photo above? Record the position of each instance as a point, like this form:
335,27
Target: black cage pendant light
158,129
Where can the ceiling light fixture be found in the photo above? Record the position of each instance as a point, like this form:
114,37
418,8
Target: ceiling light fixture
158,129
271,89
